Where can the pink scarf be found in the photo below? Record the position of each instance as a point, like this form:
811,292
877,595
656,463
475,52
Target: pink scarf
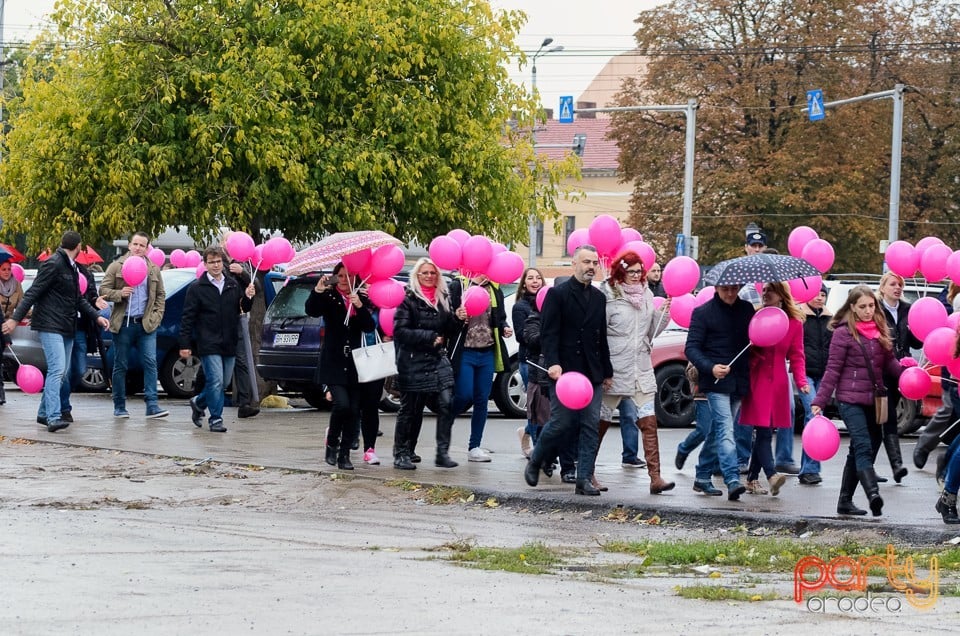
634,293
868,329
430,293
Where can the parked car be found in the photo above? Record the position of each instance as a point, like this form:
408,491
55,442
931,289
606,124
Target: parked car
178,377
291,342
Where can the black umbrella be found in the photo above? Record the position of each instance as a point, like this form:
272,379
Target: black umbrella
759,268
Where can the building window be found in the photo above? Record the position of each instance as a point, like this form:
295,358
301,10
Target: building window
569,225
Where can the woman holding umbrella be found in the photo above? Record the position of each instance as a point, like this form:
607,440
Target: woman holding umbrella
767,405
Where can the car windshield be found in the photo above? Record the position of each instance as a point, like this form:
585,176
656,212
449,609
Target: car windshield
176,279
290,301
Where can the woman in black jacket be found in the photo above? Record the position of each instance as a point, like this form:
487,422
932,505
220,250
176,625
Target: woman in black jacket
346,315
530,283
422,328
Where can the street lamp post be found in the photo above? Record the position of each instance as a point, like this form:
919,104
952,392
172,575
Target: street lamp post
532,259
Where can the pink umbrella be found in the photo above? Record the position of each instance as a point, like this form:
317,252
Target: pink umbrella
332,249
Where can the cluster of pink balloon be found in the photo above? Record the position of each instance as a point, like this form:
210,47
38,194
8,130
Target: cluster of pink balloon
934,259
475,255
805,243
928,321
611,240
241,247
378,267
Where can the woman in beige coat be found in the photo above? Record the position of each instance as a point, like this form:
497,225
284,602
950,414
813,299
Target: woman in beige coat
632,324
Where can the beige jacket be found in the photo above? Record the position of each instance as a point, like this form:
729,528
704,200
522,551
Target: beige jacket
112,284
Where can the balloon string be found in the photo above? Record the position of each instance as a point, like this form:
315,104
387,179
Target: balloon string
730,364
14,353
534,364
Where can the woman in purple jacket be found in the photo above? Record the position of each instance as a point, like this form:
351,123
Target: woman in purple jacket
860,353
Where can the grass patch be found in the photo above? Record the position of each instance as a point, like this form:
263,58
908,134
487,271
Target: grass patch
720,593
444,495
403,484
530,558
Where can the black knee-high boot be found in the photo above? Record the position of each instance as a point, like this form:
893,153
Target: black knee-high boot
868,478
891,441
848,486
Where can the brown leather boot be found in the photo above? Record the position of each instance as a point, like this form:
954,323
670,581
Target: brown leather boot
651,450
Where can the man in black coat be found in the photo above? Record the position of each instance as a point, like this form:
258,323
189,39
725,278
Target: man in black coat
574,338
56,300
211,312
718,332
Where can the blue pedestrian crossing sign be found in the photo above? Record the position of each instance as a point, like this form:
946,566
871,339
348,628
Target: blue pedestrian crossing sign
815,104
566,109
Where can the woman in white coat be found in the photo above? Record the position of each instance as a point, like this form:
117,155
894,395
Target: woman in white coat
632,324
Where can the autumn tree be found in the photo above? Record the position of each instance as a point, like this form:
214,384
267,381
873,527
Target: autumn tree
750,64
309,116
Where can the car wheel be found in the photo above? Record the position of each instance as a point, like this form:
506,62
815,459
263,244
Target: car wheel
907,420
509,394
181,378
390,401
93,380
674,400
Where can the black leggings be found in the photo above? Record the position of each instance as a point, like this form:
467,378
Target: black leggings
344,415
370,394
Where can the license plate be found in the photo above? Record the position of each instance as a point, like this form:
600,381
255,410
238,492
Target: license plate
288,339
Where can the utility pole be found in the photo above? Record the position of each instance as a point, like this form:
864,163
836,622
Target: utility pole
533,219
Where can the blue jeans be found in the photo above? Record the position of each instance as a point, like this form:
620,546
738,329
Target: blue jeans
57,350
629,432
865,435
708,462
809,466
147,344
743,438
723,406
703,422
78,366
474,381
564,425
952,481
785,435
215,369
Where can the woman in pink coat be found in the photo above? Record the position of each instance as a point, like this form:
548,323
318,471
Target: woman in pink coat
767,405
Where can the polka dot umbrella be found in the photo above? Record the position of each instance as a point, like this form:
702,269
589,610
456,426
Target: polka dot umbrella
759,268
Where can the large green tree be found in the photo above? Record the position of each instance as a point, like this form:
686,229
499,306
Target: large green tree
759,159
308,116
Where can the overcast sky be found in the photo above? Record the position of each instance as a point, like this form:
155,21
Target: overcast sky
591,32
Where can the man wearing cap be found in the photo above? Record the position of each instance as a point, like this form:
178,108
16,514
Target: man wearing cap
56,300
136,315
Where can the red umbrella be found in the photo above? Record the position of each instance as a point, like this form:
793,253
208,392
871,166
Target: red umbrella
44,255
88,256
15,255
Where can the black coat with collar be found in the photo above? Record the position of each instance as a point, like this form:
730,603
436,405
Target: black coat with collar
718,332
573,332
336,365
210,323
55,298
903,338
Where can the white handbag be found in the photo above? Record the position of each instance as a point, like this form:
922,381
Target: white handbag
376,361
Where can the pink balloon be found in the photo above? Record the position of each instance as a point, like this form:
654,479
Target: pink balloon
505,268
658,302
915,383
257,259
239,246
157,256
386,293
200,269
541,295
17,270
445,252
576,239
458,235
705,295
768,326
574,390
628,234
798,239
476,256
902,258
806,288
953,267
276,250
476,300
681,309
821,439
925,243
953,320
818,253
940,344
954,367
178,258
134,271
386,261
193,258
933,262
84,283
387,315
647,256
355,262
605,234
498,248
925,315
29,379
680,276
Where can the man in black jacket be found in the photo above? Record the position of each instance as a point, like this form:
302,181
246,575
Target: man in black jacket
574,338
211,313
56,300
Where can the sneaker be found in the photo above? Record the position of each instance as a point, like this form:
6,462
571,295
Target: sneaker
636,462
789,469
478,455
370,457
55,425
706,488
754,488
121,414
155,412
810,479
734,490
776,483
66,416
216,426
196,413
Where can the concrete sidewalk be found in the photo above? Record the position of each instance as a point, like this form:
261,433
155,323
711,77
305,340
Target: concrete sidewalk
292,438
